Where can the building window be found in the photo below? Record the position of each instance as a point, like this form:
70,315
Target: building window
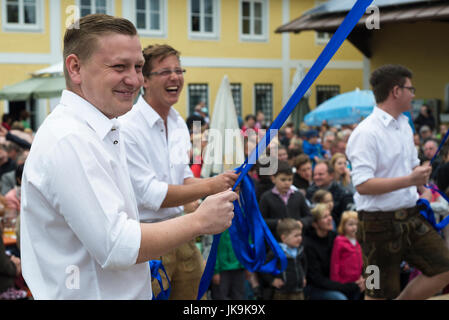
150,17
20,15
203,19
94,6
236,90
264,99
198,92
325,92
322,37
254,19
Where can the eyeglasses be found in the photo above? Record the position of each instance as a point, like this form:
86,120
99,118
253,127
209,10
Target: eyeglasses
168,72
412,89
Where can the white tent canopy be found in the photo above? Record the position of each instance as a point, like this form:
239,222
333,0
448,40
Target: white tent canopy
56,69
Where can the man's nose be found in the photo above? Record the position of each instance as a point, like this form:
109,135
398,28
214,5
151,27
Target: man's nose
134,79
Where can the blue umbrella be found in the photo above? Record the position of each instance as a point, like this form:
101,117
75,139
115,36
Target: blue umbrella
346,108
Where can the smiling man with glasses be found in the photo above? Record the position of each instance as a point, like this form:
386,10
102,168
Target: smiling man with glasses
158,144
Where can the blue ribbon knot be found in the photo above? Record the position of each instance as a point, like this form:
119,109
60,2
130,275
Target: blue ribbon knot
155,266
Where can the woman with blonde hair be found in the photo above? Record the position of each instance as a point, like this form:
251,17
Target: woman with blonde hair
341,171
318,244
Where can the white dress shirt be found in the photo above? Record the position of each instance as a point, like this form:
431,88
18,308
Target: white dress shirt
155,158
80,229
382,147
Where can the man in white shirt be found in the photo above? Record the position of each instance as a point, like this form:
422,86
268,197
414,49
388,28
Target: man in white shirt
80,232
158,142
387,175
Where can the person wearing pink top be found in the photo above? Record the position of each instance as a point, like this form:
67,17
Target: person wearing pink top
346,259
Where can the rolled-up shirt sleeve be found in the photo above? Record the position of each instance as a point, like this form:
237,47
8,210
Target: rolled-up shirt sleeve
150,191
361,152
83,190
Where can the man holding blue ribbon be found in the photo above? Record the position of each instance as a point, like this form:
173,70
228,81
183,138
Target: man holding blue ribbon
80,232
158,142
387,175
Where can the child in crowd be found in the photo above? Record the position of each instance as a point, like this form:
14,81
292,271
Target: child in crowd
323,196
312,147
346,258
302,179
290,284
282,201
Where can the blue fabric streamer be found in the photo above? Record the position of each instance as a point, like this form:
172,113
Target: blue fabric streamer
155,266
242,230
428,212
247,225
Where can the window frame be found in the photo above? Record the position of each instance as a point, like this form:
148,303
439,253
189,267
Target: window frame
202,35
320,89
191,109
109,7
21,26
265,22
321,37
238,108
162,32
269,117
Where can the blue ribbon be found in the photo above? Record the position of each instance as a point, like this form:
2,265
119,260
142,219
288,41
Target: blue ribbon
253,252
428,213
249,232
155,266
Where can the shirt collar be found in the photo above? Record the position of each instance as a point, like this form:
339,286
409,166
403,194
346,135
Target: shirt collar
276,191
101,124
292,252
150,115
385,117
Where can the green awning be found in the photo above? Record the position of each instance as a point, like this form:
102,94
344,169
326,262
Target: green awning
36,88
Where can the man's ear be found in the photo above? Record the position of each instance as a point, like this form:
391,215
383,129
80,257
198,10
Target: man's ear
73,65
395,91
272,178
146,82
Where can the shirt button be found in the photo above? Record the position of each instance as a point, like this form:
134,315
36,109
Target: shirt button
115,142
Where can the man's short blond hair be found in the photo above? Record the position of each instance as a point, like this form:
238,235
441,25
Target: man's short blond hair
81,37
157,52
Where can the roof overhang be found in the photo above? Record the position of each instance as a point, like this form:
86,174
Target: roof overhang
35,88
361,35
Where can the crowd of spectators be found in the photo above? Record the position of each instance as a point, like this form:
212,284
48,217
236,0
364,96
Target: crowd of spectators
305,202
15,141
313,185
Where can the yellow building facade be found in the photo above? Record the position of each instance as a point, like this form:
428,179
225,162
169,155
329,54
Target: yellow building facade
420,47
215,37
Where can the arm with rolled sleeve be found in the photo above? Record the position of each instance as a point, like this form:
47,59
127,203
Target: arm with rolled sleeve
92,204
362,153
